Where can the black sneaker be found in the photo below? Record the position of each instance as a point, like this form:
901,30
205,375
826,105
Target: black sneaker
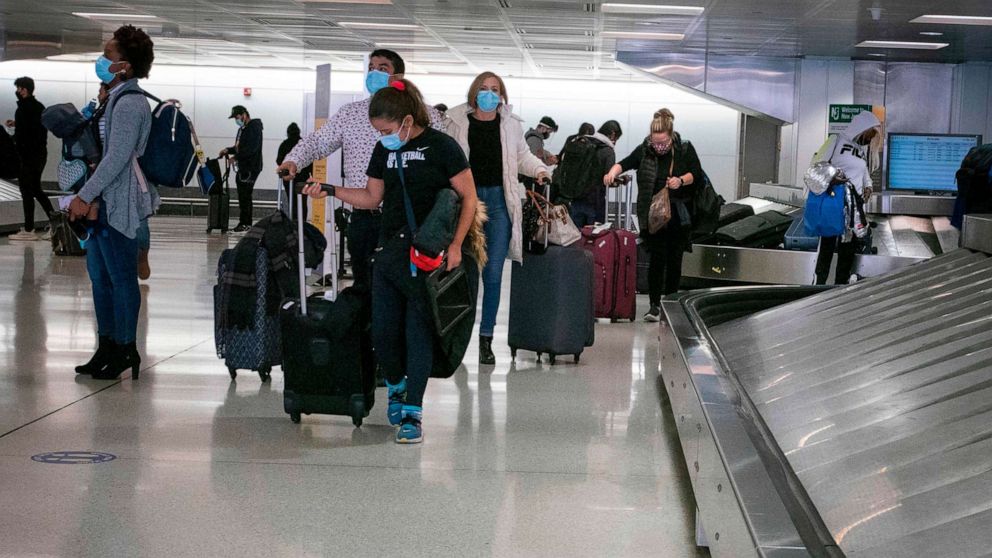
653,315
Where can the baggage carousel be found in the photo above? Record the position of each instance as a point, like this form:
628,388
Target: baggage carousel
852,421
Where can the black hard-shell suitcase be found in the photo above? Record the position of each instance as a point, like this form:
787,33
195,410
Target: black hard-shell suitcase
764,230
219,210
64,241
551,303
259,347
328,366
732,212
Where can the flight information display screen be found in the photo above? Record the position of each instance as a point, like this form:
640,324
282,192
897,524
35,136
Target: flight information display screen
927,163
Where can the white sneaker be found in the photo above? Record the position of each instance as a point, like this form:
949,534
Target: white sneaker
24,235
46,236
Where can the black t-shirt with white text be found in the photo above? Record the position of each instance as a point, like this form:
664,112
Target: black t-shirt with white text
430,161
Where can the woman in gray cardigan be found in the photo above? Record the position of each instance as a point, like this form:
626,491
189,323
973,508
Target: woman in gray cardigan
118,191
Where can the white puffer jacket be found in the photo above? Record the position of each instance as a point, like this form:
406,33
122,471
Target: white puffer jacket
517,159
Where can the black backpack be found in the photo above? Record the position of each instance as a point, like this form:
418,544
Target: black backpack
706,204
578,169
974,180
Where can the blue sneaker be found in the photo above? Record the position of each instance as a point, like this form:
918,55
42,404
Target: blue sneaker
397,396
411,431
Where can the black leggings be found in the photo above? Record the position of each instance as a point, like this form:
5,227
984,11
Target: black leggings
29,182
845,260
665,269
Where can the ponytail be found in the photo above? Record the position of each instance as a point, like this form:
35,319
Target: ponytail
663,122
399,100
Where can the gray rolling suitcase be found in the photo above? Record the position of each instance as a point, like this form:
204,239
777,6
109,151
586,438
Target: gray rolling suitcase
764,230
552,303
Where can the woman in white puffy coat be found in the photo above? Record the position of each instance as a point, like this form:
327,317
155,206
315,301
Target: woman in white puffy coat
493,140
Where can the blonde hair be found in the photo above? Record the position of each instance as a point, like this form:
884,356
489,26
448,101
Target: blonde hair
663,122
473,90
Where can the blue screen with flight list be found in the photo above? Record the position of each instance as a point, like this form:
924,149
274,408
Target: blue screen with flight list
927,162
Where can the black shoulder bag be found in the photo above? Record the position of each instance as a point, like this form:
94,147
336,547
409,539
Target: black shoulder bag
448,293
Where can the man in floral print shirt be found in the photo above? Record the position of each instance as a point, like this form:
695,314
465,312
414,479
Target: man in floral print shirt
351,130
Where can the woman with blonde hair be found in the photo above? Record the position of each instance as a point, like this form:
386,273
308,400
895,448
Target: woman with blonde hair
493,139
663,160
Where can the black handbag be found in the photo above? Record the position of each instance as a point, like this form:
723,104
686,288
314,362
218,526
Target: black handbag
448,293
450,297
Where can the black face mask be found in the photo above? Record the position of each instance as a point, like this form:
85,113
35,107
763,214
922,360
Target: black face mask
546,135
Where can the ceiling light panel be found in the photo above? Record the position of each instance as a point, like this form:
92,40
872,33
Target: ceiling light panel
95,15
642,36
902,45
622,8
373,25
953,20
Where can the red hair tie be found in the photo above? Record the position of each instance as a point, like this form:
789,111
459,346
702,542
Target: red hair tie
398,85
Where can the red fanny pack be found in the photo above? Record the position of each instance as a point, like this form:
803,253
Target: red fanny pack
424,262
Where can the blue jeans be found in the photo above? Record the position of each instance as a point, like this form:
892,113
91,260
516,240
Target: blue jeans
363,237
497,230
402,323
584,213
144,236
112,263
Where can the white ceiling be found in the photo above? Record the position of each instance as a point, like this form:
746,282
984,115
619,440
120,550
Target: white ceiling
512,37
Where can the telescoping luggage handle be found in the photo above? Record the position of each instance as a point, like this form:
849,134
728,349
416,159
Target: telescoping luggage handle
301,258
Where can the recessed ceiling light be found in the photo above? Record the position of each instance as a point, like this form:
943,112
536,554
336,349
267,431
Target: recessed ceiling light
612,7
879,54
93,15
953,20
931,34
902,44
372,25
645,36
410,45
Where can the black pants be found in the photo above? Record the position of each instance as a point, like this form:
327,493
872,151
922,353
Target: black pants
246,187
29,182
288,187
363,237
665,269
845,260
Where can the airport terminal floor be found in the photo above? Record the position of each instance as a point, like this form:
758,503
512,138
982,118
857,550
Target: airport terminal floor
520,460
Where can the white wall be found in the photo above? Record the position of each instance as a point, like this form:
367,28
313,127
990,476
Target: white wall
821,83
278,98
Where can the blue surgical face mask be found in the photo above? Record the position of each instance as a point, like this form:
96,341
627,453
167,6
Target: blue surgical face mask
239,122
392,141
487,101
376,80
103,72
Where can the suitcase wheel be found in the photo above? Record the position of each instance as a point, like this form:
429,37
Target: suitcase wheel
551,359
265,374
577,358
513,353
295,417
357,410
539,355
233,372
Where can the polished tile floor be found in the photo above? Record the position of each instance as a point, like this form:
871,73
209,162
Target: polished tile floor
520,460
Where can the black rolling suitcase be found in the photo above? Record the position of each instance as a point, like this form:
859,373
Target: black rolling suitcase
552,303
327,350
733,212
764,230
219,210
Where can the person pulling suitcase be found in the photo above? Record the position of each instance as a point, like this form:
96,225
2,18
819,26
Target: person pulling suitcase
410,167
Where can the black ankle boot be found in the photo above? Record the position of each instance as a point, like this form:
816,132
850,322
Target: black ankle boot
104,350
486,355
126,356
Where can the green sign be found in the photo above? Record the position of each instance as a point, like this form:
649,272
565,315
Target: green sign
843,114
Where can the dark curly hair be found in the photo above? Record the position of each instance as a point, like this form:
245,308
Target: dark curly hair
136,47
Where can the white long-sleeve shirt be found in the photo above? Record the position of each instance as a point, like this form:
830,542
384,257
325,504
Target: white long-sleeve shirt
351,130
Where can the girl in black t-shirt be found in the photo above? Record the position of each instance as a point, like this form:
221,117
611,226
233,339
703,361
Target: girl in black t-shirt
432,161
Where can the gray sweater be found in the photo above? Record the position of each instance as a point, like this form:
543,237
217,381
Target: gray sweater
115,181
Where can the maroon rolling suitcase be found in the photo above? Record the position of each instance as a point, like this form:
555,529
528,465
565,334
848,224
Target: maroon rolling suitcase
615,255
